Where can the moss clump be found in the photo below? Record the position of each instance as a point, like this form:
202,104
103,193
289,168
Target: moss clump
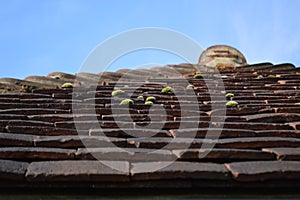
271,76
140,98
259,76
117,93
198,75
229,95
67,85
152,99
190,87
245,107
126,102
2,91
148,103
167,89
232,104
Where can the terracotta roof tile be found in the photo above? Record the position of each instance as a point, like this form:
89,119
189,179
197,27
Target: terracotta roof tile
285,153
178,170
77,171
28,153
264,170
223,155
12,170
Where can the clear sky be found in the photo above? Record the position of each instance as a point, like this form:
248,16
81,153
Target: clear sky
41,36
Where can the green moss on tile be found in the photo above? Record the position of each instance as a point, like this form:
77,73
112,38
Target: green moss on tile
117,93
140,98
152,99
232,104
148,103
190,87
167,89
271,76
126,102
67,85
198,75
229,95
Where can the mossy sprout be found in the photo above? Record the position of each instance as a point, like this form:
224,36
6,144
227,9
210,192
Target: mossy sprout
198,75
190,87
167,89
260,76
245,107
148,103
140,98
222,67
2,91
117,93
232,104
126,102
152,99
67,85
271,76
229,95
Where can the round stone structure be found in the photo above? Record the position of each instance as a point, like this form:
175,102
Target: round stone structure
222,56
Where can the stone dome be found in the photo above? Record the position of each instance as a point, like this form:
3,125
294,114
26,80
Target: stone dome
222,56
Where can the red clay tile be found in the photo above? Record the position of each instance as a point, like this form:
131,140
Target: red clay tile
278,133
16,140
257,142
213,132
24,95
295,125
12,170
221,155
29,123
138,117
33,111
264,170
238,143
177,170
256,126
36,153
77,171
9,100
51,117
127,132
41,130
127,154
11,106
79,141
273,117
294,109
52,91
285,153
6,117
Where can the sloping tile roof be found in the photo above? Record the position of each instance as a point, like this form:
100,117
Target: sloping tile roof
258,144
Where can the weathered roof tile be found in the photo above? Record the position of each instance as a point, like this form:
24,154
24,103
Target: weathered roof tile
285,153
77,171
144,171
16,140
12,170
29,153
265,170
222,155
127,154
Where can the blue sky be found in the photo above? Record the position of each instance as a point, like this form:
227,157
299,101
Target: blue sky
42,36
